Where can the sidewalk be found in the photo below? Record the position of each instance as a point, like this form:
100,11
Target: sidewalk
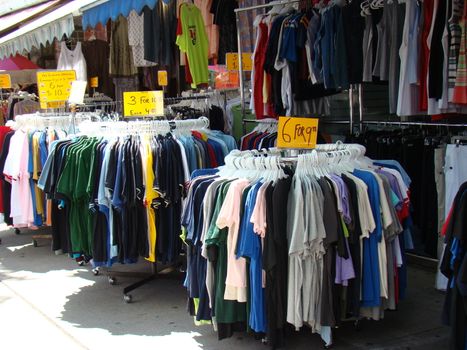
48,301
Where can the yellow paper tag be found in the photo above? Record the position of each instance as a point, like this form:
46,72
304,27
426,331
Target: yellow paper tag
232,62
143,103
162,78
297,132
94,82
54,86
5,81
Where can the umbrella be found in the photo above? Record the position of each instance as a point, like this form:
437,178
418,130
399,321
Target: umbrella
17,62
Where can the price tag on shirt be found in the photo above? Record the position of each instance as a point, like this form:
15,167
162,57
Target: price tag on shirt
297,132
162,78
233,63
94,82
143,103
54,87
5,81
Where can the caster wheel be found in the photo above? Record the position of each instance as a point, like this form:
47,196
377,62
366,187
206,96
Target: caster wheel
127,298
34,243
358,325
95,272
17,231
113,281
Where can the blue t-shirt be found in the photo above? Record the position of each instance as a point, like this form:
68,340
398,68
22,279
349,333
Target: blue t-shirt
371,290
250,247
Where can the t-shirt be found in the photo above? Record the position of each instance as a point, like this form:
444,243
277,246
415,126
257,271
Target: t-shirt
229,216
250,247
192,40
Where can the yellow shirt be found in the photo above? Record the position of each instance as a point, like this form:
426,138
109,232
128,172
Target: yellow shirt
149,196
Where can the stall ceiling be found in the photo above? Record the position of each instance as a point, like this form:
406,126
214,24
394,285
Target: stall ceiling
42,30
19,17
9,6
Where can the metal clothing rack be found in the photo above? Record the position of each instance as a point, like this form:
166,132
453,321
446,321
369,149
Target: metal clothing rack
162,126
401,123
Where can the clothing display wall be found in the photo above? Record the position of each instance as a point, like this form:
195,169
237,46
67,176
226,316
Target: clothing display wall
416,47
252,264
421,153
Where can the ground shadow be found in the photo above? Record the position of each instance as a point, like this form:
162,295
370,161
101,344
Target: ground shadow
159,308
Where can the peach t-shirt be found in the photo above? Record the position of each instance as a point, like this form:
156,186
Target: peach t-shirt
229,216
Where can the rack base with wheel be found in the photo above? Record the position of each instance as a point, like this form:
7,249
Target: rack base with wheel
155,274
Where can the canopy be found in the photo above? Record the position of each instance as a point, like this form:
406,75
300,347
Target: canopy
42,30
17,62
14,18
112,9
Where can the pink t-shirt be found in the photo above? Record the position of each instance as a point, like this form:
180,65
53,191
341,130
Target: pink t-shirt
229,216
258,219
16,169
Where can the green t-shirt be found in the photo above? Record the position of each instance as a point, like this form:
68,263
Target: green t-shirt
226,311
192,40
73,184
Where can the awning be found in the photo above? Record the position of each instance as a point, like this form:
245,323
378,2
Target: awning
17,62
42,30
112,9
13,19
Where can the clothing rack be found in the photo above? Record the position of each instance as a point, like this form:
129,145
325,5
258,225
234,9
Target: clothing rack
50,120
142,126
401,123
132,127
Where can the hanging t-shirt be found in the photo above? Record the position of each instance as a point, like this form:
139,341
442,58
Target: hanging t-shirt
192,40
72,60
136,39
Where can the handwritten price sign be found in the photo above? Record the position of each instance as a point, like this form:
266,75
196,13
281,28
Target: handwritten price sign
54,86
143,103
297,132
5,81
233,64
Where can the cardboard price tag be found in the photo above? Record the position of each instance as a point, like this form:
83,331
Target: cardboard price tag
143,103
94,82
5,81
233,63
297,132
54,86
78,89
162,78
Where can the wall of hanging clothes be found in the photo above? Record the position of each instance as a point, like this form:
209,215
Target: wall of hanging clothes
259,259
414,47
435,166
117,187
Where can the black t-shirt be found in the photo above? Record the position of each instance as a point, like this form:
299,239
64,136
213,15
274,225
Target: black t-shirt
224,17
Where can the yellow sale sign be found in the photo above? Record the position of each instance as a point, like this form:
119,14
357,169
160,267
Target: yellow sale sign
54,87
233,63
143,103
162,78
5,81
297,132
